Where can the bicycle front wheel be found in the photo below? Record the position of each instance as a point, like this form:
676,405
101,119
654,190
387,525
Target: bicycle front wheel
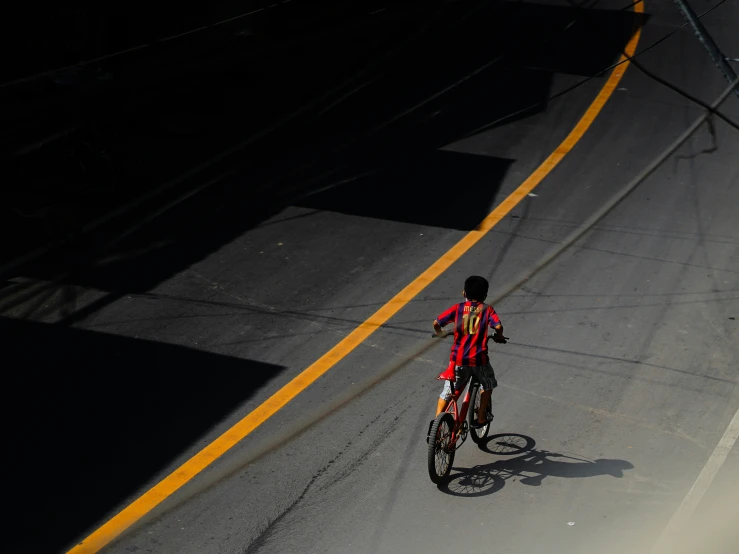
441,449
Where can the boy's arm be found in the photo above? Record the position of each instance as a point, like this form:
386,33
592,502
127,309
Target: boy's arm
497,325
443,320
498,336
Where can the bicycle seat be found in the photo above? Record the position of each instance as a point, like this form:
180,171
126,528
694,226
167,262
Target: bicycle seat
448,374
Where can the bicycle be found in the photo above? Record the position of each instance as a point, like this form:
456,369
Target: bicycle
450,428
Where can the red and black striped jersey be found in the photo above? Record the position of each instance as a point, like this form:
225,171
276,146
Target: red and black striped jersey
471,323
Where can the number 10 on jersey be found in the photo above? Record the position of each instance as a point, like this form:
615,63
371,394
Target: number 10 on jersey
470,324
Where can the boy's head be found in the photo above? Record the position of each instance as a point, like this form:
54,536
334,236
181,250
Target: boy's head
476,288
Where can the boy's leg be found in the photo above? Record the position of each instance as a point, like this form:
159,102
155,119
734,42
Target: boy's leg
486,376
484,401
444,398
441,405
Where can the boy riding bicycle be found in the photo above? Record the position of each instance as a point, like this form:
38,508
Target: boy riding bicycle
469,355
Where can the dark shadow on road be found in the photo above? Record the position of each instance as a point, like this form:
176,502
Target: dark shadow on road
92,418
566,56
429,181
529,468
474,64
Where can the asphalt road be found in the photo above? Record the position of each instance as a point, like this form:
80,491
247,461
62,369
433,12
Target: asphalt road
619,380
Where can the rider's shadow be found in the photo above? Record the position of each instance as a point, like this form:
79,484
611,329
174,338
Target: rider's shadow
530,467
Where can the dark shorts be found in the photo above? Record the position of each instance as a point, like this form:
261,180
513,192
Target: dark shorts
484,374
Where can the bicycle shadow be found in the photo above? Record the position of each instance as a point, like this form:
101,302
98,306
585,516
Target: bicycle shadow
528,467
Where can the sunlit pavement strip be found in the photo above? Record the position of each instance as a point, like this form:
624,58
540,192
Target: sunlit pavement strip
681,517
182,475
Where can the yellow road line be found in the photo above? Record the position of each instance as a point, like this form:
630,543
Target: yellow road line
170,484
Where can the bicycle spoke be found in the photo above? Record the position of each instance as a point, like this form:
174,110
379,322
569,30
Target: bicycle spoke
442,449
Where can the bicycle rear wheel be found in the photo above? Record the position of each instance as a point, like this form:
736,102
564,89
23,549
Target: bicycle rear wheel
478,435
441,449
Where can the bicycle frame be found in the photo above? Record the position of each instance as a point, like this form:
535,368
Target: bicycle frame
459,415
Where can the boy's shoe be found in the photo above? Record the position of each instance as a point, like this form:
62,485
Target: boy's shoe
477,425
